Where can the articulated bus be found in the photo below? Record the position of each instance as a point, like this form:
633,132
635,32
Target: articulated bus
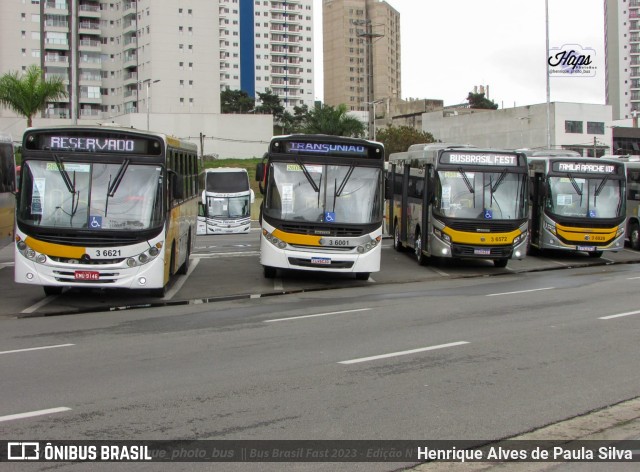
577,203
456,201
7,189
104,207
226,201
322,207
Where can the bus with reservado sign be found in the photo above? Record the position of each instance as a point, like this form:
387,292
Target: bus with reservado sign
577,203
458,201
7,189
225,207
104,207
322,207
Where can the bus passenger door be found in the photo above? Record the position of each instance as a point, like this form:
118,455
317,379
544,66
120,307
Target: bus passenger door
404,207
537,203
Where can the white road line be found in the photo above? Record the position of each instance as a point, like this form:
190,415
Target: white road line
439,272
278,285
6,264
193,263
559,263
225,254
619,315
633,278
316,315
36,348
31,414
520,291
403,353
40,304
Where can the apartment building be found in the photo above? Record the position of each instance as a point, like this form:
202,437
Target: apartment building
268,44
361,47
622,55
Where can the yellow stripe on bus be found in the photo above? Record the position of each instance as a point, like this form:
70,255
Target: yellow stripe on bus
301,239
58,250
599,235
487,239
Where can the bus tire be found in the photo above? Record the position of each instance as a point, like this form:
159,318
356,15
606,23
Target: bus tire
362,275
184,268
595,254
634,236
397,244
50,290
269,272
500,262
420,257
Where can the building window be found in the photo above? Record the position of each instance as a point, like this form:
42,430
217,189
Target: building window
573,127
595,127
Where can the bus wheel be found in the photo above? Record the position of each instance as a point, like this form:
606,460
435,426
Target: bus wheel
634,236
595,254
500,262
397,244
362,275
420,257
49,290
184,268
269,272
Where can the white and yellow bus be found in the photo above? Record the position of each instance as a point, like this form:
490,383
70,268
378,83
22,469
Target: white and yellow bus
322,207
104,207
7,189
577,203
455,201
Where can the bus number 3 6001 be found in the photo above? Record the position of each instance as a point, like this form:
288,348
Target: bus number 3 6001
108,253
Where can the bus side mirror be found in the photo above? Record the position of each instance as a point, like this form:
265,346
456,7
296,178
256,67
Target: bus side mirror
388,187
260,170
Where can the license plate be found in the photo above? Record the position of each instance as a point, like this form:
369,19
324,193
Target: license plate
586,248
482,252
321,260
86,275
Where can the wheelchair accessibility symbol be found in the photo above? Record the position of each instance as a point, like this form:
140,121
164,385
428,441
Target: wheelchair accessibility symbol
96,222
329,217
488,214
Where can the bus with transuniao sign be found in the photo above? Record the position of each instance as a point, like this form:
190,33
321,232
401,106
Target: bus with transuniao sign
104,207
322,207
577,203
457,201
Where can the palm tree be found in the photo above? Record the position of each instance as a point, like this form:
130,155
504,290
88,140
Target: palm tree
334,121
29,94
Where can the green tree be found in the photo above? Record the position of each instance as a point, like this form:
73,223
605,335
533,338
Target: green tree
270,105
477,100
236,101
325,119
294,123
29,93
399,138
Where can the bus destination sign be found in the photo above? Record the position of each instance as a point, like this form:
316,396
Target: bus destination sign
481,159
296,147
584,167
80,142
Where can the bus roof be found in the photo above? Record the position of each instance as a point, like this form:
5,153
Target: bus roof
549,153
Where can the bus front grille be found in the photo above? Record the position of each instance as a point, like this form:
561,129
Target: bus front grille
484,227
324,230
470,251
300,262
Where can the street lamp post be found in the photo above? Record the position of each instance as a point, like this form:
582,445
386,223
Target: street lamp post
149,82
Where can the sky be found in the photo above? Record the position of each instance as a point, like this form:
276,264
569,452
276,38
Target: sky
448,47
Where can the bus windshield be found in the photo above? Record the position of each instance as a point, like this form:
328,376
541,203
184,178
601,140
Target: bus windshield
324,193
481,195
228,207
91,195
595,197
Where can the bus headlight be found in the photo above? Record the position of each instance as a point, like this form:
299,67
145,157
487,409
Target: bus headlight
131,262
445,237
273,240
30,253
368,246
41,259
620,231
154,251
518,239
22,245
550,227
143,258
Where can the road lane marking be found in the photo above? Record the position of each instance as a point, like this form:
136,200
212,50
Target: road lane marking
403,353
619,315
225,254
36,348
31,414
633,278
317,314
181,280
519,291
6,264
439,272
40,304
277,284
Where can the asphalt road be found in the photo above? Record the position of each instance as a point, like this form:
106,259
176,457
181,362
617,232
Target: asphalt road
457,351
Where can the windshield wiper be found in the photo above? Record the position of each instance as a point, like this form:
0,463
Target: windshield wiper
337,191
499,181
466,179
64,174
308,176
601,186
112,187
575,185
